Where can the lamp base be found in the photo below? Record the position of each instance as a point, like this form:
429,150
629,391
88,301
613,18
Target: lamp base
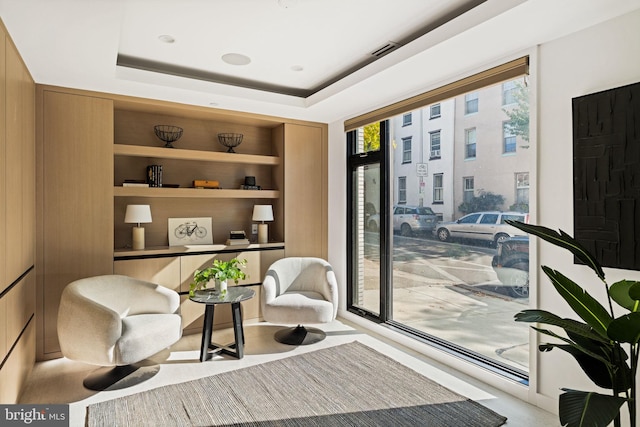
263,233
138,238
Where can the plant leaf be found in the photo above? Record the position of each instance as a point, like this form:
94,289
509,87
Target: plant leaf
562,240
595,369
581,408
583,304
621,291
569,325
550,346
634,291
625,328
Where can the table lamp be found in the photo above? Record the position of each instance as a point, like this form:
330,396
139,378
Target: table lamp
138,214
263,213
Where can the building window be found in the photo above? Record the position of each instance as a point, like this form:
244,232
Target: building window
406,119
468,186
470,143
508,138
508,92
434,138
522,188
437,188
406,150
434,111
402,189
471,103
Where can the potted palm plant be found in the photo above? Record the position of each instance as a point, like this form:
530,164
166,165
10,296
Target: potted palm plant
220,272
605,346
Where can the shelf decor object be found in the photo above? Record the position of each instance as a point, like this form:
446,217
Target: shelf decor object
263,213
230,140
138,214
168,134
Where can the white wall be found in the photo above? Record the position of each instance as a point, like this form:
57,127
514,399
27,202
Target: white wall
598,58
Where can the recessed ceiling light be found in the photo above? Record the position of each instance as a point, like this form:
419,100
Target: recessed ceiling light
165,38
236,59
297,68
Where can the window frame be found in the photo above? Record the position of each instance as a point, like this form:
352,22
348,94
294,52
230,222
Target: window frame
402,189
432,154
407,152
468,143
438,191
508,136
435,115
471,103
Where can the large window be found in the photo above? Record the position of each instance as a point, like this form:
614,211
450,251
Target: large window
422,238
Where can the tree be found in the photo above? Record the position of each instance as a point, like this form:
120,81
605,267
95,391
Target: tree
484,201
372,137
519,114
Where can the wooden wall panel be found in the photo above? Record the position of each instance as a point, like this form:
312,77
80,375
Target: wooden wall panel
77,196
4,281
15,264
305,183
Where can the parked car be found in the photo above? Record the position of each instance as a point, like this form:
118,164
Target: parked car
486,226
511,264
408,220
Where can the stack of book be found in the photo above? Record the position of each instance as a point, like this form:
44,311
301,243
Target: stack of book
237,238
154,175
134,183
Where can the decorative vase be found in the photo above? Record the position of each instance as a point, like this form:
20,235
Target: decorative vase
221,285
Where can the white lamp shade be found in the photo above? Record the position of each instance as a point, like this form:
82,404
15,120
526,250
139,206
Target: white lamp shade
137,214
262,213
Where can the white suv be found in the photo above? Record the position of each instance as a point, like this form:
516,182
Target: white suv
486,226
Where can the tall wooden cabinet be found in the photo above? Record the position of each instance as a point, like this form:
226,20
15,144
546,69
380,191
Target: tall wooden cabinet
75,197
90,143
17,221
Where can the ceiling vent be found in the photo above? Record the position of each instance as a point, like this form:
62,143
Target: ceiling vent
382,51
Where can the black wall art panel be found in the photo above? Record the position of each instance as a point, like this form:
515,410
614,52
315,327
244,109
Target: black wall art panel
606,175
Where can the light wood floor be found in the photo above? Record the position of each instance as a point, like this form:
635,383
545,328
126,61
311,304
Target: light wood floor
60,380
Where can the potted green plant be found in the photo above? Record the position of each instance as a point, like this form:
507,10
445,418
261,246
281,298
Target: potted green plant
220,272
605,346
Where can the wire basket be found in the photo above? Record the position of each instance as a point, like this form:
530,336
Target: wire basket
168,134
230,140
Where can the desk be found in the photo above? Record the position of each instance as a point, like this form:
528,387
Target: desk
234,296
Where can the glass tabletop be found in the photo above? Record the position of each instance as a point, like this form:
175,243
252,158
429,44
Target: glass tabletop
233,294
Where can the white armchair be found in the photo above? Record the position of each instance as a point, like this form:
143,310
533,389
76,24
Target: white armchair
116,321
299,290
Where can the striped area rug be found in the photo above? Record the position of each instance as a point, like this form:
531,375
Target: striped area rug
346,385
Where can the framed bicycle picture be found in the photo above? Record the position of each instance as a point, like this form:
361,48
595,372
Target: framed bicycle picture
190,231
